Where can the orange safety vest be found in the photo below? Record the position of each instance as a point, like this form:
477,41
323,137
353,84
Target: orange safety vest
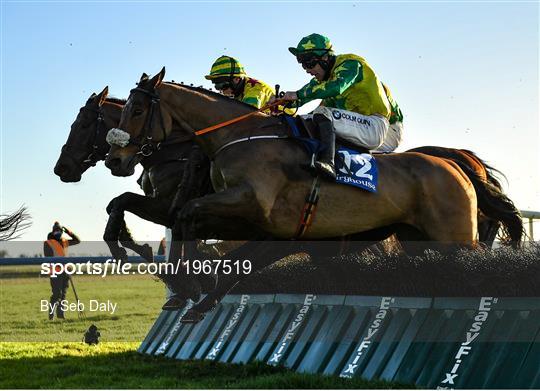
59,250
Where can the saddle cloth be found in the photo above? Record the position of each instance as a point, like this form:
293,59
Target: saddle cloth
355,166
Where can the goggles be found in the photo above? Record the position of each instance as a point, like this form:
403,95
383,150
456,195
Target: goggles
222,84
308,61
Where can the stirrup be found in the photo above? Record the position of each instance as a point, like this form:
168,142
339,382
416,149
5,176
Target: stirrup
326,169
310,167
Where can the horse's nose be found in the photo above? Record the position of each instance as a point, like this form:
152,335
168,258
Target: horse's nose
113,163
61,169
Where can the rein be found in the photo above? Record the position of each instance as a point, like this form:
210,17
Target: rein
238,119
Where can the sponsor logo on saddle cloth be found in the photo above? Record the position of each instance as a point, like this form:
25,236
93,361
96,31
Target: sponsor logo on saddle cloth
356,169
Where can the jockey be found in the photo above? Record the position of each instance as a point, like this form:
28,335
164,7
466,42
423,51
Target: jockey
229,77
354,103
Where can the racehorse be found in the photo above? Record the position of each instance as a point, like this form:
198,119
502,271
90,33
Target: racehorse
262,181
163,173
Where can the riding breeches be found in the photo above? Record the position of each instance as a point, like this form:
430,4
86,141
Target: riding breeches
392,139
368,131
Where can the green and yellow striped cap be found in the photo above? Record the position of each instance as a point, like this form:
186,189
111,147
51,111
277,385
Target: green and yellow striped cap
226,66
314,43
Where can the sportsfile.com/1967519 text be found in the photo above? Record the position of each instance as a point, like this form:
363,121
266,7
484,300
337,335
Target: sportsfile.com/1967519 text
117,267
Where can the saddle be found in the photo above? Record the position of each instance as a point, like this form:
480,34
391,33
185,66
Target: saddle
304,131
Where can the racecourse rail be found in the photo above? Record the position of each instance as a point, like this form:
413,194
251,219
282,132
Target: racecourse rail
64,260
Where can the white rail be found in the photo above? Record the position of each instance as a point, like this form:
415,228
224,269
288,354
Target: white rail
531,215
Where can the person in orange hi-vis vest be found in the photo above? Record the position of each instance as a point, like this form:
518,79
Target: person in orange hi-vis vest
56,246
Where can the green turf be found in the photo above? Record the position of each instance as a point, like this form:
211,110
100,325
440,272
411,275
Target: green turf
139,299
117,365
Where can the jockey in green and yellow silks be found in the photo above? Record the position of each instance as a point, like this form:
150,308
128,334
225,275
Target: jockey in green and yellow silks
229,77
354,103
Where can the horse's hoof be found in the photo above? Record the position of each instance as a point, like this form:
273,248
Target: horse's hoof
120,255
147,253
193,316
174,304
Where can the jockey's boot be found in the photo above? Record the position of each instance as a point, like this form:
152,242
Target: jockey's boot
325,161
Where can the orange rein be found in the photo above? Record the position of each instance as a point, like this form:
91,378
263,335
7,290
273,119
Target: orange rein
238,119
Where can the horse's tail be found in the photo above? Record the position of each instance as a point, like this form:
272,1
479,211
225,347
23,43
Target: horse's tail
491,172
497,206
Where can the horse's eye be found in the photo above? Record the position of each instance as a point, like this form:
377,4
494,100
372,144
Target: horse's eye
137,112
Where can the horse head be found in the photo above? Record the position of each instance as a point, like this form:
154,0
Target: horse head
143,126
86,144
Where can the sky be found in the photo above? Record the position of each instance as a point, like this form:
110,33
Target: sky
464,73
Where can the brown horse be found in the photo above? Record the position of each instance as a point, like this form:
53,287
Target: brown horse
159,181
487,228
415,189
262,182
258,171
86,145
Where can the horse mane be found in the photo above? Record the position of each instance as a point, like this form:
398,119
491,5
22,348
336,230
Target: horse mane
213,94
117,101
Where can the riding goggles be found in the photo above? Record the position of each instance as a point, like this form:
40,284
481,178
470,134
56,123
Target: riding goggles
308,61
221,84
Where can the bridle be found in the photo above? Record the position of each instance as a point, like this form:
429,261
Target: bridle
93,156
144,141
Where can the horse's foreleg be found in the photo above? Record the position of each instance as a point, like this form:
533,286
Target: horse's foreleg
148,208
144,250
112,232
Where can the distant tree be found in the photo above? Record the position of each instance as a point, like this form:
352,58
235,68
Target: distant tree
12,225
3,253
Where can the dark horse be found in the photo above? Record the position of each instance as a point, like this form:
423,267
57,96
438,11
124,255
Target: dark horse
179,162
263,184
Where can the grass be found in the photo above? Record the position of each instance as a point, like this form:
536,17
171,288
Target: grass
139,299
117,365
38,353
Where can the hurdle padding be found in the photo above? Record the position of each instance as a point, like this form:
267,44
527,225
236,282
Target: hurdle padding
483,342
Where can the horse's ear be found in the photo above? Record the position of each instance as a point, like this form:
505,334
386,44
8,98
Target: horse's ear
91,98
144,77
157,79
161,75
102,96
